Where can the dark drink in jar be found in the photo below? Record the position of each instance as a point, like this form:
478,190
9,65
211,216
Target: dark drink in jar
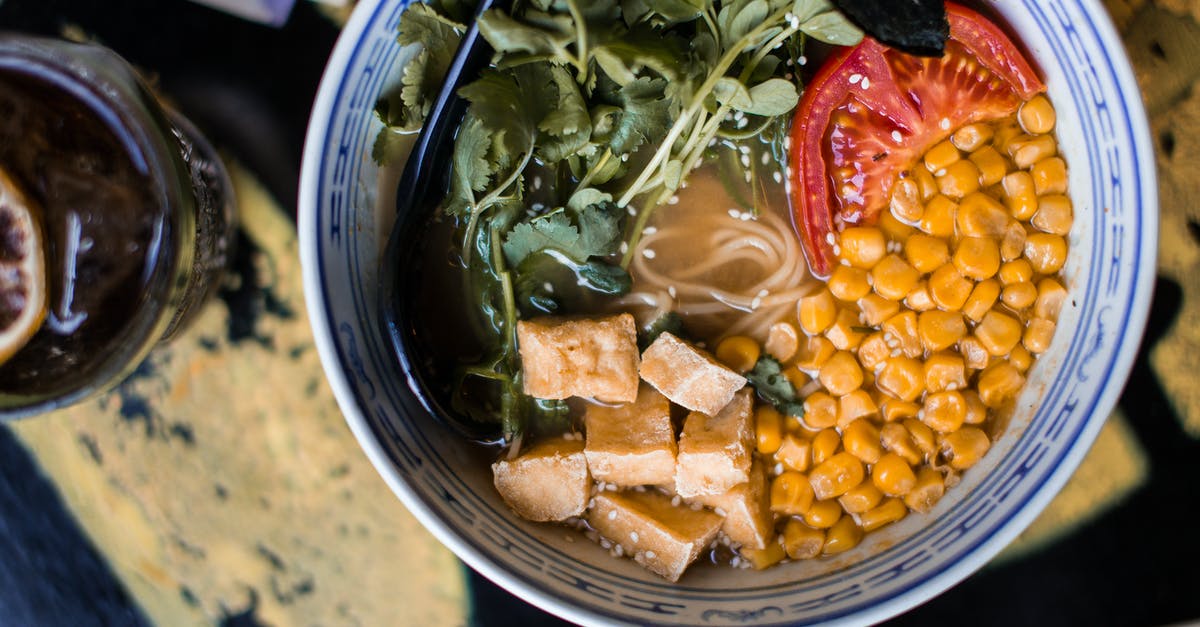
125,206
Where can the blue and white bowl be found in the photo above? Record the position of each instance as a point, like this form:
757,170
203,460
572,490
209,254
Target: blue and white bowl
346,213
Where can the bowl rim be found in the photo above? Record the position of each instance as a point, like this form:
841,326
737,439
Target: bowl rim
318,133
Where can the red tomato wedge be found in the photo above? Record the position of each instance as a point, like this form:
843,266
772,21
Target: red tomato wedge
872,111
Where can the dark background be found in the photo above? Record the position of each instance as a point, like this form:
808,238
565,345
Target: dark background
250,88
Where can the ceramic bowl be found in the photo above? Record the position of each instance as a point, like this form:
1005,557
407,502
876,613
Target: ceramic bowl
346,213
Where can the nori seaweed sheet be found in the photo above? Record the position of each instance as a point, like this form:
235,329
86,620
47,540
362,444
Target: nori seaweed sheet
915,26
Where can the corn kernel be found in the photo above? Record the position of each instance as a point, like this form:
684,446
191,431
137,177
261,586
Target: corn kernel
768,429
902,328
981,299
892,475
791,493
919,298
938,218
921,434
980,215
975,355
998,332
1006,131
783,340
888,512
972,137
977,257
843,535
849,283
992,165
824,445
1020,358
862,246
976,410
814,352
846,332
925,182
926,492
823,514
897,439
893,229
941,156
926,253
861,498
944,411
1051,296
944,371
875,309
820,410
1054,214
836,475
907,204
998,383
1013,243
1037,115
1019,295
893,278
772,554
794,452
948,288
940,330
738,352
1038,334
873,351
797,377
965,447
902,377
1027,151
893,409
1049,176
1020,195
959,179
1015,271
853,406
801,542
860,438
816,312
1046,252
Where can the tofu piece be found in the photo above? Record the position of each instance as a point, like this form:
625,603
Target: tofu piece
664,538
747,510
715,451
689,376
547,482
632,444
593,358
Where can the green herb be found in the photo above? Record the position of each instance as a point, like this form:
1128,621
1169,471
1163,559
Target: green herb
767,379
592,111
669,322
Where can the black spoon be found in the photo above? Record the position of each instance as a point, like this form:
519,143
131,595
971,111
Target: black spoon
421,189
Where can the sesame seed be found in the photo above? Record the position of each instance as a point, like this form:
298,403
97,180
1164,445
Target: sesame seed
624,247
778,469
803,60
619,550
671,290
766,158
675,500
631,210
650,555
650,230
537,182
605,543
673,200
897,137
742,123
830,239
747,176
633,536
719,511
745,150
591,503
734,213
612,515
549,287
866,82
649,253
855,78
940,172
945,124
777,176
745,161
625,157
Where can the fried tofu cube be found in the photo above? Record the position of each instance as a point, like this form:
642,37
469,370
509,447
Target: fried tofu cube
664,538
715,451
593,357
547,482
747,510
631,444
689,376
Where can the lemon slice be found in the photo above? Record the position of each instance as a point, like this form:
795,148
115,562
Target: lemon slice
23,289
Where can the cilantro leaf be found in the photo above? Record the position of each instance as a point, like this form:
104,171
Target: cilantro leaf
645,115
507,35
768,380
669,322
552,230
599,229
470,168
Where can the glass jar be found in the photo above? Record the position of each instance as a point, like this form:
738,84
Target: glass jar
136,208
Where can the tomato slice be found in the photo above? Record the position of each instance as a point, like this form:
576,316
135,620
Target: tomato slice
872,111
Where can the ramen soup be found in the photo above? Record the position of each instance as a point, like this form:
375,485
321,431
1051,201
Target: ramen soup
757,328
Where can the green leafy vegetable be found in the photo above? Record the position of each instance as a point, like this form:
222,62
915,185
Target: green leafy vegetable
594,111
770,384
669,322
